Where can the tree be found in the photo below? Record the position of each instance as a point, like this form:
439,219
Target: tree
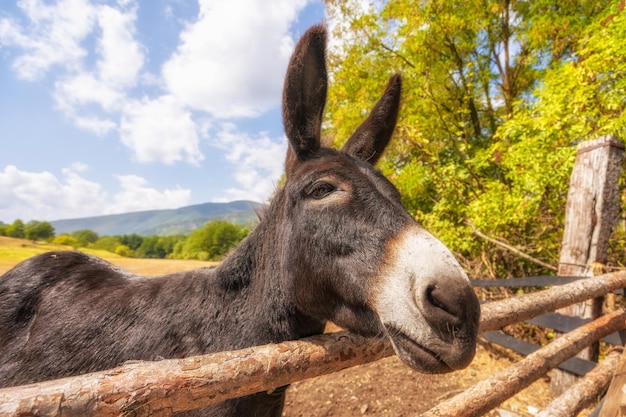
37,230
211,242
85,237
157,246
469,150
108,243
150,248
133,241
16,229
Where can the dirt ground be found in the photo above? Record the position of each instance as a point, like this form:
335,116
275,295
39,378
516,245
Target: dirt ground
390,388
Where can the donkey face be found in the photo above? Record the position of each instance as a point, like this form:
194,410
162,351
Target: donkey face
356,256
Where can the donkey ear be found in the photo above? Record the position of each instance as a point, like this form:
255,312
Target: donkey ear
370,139
304,96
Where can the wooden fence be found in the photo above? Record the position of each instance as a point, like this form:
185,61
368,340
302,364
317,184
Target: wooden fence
164,387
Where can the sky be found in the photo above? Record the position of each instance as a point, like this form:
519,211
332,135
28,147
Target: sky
115,106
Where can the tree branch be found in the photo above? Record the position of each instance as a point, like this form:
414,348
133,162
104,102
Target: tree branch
510,248
394,52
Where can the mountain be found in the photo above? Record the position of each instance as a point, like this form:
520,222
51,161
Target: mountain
163,222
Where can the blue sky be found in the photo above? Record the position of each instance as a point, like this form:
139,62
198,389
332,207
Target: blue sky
116,106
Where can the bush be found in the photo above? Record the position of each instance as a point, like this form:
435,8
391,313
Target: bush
65,240
124,250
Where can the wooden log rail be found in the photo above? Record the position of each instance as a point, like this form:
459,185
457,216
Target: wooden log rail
586,390
168,386
613,404
482,397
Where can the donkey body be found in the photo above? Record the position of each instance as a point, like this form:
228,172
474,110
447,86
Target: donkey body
334,244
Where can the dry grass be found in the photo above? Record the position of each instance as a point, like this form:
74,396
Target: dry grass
152,267
13,251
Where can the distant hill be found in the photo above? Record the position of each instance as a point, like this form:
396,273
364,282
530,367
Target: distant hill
163,222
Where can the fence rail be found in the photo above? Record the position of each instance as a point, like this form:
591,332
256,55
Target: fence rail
482,397
168,386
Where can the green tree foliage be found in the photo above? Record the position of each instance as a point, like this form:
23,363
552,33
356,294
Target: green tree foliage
33,230
108,243
85,237
496,94
156,246
37,230
210,242
132,241
16,229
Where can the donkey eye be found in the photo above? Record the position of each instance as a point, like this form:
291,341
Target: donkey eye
321,190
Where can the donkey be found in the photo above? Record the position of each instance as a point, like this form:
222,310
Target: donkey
335,243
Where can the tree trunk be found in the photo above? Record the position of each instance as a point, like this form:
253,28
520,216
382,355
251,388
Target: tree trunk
591,212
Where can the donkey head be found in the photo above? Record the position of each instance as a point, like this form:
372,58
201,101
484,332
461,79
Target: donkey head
354,254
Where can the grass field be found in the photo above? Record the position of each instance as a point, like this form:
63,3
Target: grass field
13,251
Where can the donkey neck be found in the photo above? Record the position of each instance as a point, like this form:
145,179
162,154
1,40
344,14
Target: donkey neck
254,272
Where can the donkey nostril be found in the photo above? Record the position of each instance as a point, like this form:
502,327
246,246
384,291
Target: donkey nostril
444,302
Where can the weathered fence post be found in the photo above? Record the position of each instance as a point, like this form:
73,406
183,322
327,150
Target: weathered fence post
591,212
614,400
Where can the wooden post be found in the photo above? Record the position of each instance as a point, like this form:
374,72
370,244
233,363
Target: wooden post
614,400
591,212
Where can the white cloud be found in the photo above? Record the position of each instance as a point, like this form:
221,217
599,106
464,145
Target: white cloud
44,196
121,55
258,162
160,130
83,89
55,35
137,196
75,94
231,61
51,36
116,71
100,126
40,195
